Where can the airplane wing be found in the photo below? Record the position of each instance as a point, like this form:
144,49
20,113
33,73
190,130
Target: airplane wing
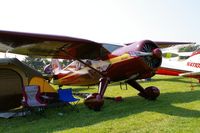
168,44
50,46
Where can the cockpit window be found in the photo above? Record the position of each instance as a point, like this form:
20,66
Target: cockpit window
111,47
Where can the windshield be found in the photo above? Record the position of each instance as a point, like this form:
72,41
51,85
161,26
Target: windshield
111,47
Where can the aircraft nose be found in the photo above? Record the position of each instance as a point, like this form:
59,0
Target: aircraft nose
157,53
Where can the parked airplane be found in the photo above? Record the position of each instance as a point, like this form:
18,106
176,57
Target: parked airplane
75,73
110,63
187,68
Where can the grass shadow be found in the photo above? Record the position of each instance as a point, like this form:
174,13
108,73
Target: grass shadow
59,119
114,110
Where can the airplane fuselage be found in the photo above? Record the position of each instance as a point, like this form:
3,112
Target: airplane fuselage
123,63
188,68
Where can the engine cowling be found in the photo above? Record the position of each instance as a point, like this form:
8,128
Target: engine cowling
155,59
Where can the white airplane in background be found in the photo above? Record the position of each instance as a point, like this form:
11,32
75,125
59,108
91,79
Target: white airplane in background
188,68
175,52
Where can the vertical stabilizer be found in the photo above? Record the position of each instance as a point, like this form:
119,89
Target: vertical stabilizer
56,66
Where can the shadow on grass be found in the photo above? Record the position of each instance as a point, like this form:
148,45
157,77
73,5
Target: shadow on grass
111,110
130,106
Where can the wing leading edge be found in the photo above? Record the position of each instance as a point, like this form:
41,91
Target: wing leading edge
50,46
167,44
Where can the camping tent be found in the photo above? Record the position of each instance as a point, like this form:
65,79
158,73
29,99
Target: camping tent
13,76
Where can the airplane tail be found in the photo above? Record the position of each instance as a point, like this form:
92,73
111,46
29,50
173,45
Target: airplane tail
56,67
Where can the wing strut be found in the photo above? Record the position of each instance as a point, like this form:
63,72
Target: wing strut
94,101
100,73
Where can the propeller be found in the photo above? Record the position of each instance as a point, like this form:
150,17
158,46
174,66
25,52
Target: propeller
155,53
151,54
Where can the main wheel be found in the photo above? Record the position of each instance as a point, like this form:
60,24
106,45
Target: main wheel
152,93
93,102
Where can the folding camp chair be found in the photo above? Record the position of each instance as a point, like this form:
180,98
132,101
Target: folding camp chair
31,98
66,96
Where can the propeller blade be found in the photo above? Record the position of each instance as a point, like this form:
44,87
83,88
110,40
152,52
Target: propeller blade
139,53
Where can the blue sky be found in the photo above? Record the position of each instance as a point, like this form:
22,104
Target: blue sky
112,21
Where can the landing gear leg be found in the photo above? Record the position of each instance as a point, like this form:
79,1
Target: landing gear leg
95,101
150,93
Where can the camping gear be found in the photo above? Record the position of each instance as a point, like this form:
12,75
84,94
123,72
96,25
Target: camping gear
14,75
65,95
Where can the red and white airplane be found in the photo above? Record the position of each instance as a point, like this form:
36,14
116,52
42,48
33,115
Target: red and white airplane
76,73
97,62
187,68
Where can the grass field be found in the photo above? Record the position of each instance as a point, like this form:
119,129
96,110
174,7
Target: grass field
177,110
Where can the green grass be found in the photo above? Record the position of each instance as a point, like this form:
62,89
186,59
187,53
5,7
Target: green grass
177,110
